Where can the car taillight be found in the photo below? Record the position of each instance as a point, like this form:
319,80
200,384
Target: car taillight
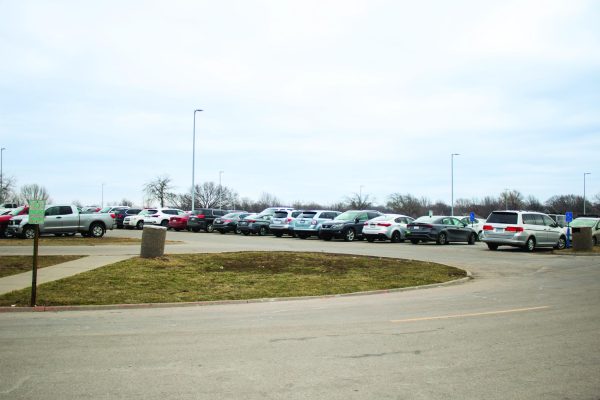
514,229
226,221
288,220
113,215
488,228
384,224
250,220
201,216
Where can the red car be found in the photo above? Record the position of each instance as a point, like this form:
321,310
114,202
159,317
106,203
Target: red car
179,222
4,218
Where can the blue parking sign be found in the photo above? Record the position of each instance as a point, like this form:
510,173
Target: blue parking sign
569,216
472,216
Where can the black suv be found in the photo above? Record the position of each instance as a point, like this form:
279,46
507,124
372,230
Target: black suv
121,214
204,218
347,225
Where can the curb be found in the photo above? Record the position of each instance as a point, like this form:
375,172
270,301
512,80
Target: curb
225,302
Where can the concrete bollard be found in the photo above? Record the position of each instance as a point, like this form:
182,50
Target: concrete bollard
153,241
582,239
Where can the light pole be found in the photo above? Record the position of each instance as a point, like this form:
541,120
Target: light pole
220,192
1,183
102,203
452,182
584,174
194,160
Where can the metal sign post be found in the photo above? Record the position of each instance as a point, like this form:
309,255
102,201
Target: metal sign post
36,217
569,219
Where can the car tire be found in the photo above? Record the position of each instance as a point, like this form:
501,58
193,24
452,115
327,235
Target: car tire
209,228
350,235
165,223
492,246
237,231
139,225
414,241
561,244
97,230
396,237
472,238
529,244
28,232
480,236
262,231
442,238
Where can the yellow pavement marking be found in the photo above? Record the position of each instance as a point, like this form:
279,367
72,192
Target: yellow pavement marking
516,310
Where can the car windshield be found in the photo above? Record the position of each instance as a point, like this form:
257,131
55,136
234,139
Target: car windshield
17,211
348,216
582,223
384,218
105,210
147,212
503,218
280,214
426,220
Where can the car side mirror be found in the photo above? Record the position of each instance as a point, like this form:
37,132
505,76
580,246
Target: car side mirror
356,221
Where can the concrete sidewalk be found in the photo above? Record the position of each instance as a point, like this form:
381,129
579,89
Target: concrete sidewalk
59,271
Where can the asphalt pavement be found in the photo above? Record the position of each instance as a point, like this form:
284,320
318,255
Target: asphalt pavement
525,328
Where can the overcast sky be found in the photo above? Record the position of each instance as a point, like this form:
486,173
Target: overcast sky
306,100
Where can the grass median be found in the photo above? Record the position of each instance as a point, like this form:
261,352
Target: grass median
234,276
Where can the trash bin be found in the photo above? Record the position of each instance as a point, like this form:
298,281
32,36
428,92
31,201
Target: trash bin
582,238
153,241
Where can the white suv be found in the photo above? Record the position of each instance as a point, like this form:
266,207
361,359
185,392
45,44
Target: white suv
161,216
137,221
525,229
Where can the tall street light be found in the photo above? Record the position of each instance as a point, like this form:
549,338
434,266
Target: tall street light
1,183
194,160
452,182
584,174
220,191
102,203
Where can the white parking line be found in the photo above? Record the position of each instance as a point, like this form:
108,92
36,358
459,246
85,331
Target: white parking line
516,310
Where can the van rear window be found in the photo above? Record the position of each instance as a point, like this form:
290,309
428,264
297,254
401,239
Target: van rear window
503,218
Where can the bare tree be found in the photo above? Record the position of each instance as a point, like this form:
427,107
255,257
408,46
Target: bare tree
407,204
34,192
359,201
562,203
511,200
159,189
125,202
7,189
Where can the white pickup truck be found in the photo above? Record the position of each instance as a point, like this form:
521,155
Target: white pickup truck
63,220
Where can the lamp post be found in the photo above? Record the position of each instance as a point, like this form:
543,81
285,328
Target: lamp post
194,160
102,202
1,183
584,174
452,182
220,192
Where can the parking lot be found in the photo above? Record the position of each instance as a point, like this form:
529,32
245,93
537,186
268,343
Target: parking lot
525,327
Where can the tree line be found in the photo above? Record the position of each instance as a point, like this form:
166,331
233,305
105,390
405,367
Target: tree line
159,192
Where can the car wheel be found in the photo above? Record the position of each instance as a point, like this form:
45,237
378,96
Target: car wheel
492,246
396,237
480,235
262,231
139,225
237,231
246,233
530,244
442,238
97,230
414,241
28,232
209,228
472,238
561,244
350,235
164,223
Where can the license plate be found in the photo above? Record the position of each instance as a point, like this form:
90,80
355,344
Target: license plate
499,230
416,228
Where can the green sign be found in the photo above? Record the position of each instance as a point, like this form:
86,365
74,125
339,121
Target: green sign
36,211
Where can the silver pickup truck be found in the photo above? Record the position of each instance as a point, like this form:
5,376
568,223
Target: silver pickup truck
63,220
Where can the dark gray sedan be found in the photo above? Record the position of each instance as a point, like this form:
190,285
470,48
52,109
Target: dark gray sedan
439,229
